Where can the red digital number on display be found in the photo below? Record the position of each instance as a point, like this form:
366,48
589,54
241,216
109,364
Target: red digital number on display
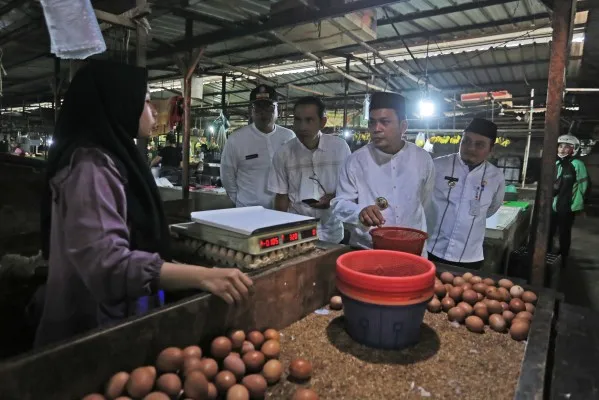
293,236
269,242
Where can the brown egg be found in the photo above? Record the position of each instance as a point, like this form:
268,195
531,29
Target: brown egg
497,323
192,351
524,315
494,294
480,296
191,364
529,297
157,396
94,396
254,361
169,384
456,294
447,277
489,282
505,283
256,338
479,288
458,281
519,329
220,347
467,286
305,394
481,312
517,305
272,371
434,305
336,303
247,347
467,276
466,307
300,369
456,314
256,385
224,380
238,392
271,349
530,307
475,279
494,307
504,306
516,291
116,385
508,316
123,398
212,391
505,294
170,360
448,287
237,337
234,364
447,304
440,290
209,368
470,297
141,382
475,324
273,334
196,385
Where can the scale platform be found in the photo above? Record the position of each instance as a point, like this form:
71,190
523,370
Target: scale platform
247,237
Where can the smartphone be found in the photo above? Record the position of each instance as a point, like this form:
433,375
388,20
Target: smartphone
310,201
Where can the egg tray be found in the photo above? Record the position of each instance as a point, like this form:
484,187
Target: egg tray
282,295
188,248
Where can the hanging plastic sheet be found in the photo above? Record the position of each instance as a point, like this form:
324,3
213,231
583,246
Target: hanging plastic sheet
73,28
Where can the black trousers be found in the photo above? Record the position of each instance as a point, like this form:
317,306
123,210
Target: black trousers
561,222
472,265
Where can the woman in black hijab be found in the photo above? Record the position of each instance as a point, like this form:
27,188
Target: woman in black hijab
104,232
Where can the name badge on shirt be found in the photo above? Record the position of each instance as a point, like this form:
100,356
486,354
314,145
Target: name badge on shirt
474,208
251,156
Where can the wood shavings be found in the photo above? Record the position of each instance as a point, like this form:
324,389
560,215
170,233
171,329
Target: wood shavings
441,366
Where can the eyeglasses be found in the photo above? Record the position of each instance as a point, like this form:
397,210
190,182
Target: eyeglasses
264,106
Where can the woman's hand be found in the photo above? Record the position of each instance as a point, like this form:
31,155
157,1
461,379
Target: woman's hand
230,284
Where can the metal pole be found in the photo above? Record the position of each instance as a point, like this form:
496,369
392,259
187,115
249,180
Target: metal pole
56,87
345,95
527,150
223,94
492,109
141,61
286,105
187,78
454,110
562,19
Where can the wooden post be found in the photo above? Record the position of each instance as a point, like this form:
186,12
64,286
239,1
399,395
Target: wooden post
562,19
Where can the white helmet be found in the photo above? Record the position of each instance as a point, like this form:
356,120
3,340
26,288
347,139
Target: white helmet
571,140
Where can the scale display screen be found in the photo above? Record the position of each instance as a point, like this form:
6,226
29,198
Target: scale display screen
290,237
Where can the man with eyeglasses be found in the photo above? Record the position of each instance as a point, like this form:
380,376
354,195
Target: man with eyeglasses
247,157
468,190
387,182
306,169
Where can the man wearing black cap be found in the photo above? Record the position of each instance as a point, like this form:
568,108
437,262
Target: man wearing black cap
248,153
389,181
468,190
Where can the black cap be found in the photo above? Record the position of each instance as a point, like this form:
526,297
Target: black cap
394,101
483,127
263,92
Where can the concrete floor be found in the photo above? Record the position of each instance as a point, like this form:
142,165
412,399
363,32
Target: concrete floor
580,280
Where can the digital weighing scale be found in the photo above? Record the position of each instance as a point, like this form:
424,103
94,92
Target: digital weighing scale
247,237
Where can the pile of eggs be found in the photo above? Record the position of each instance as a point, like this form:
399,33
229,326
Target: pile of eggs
240,367
476,302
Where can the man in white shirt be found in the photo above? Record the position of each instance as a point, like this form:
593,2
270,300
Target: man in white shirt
468,190
247,157
306,169
387,182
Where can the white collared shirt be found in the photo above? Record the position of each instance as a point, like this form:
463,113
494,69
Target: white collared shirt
293,167
246,161
404,179
457,220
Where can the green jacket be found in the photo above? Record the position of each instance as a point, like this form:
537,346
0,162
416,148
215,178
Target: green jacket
570,185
